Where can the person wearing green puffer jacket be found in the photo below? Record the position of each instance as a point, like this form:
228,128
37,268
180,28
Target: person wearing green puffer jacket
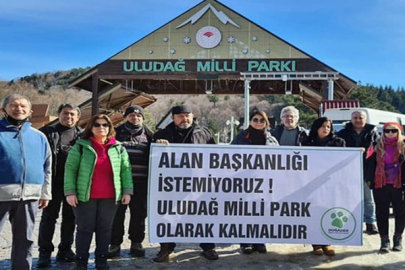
98,177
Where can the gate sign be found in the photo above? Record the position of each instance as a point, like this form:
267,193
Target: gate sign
255,194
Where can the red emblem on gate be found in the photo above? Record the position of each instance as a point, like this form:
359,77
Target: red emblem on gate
208,34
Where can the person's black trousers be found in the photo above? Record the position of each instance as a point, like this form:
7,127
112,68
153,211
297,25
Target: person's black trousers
48,220
138,207
383,197
21,215
94,216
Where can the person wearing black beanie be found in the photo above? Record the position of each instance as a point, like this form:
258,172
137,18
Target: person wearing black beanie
136,137
183,129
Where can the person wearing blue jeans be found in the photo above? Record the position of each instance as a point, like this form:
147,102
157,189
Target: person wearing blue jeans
358,133
369,208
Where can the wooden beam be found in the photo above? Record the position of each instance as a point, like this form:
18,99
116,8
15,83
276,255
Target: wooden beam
94,97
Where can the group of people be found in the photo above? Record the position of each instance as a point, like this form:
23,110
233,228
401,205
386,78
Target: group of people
383,163
96,173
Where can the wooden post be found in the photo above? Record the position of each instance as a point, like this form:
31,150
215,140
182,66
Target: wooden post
246,115
94,97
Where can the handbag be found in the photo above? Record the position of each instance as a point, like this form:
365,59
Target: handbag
392,170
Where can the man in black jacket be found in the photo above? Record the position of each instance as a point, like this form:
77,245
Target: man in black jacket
136,137
358,133
61,138
183,130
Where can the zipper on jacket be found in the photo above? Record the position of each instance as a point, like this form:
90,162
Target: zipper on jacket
19,136
112,167
92,172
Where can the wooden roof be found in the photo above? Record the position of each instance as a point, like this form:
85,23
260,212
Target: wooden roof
39,110
113,101
242,41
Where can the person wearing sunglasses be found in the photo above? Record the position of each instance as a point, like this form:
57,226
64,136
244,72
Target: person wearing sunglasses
256,134
322,135
289,132
385,176
357,133
97,177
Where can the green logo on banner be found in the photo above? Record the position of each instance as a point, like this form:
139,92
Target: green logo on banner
338,224
338,219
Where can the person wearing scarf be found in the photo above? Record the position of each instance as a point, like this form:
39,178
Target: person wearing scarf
136,137
255,134
384,175
322,134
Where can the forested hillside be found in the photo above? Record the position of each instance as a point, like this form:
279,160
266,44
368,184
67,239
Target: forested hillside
46,81
47,88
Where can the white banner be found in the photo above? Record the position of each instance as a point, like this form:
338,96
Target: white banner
255,194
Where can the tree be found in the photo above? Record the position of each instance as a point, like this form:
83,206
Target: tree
373,97
213,98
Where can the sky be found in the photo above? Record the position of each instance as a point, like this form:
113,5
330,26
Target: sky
363,39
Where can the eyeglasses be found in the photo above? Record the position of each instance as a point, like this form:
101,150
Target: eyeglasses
99,125
390,130
288,116
257,120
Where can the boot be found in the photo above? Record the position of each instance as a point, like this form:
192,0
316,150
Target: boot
81,263
210,254
164,254
101,262
246,249
328,250
371,229
261,248
317,250
397,243
44,259
385,245
137,250
113,251
66,255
